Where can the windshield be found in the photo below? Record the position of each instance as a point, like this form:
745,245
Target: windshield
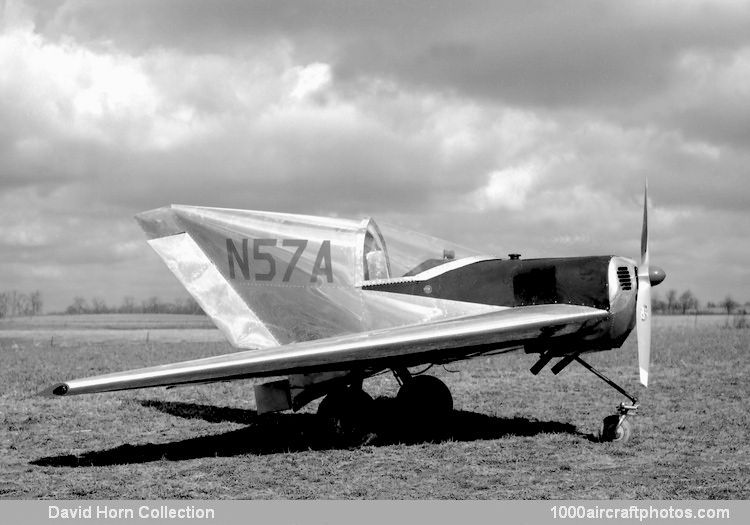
403,253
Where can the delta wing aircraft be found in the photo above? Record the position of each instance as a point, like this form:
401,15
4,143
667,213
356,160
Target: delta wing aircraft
329,302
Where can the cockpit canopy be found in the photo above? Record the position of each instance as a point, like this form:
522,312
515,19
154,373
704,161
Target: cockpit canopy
391,251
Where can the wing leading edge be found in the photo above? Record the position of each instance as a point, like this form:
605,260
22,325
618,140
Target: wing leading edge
386,348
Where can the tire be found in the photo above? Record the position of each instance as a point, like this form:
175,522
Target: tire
347,413
614,431
425,405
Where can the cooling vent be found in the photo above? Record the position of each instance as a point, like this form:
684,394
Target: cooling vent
623,275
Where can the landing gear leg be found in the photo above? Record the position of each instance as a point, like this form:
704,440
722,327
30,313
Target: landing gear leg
615,427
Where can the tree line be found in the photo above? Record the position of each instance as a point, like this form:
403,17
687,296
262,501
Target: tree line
129,305
14,303
18,304
687,303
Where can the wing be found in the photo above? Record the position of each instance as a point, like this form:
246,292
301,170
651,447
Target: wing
404,346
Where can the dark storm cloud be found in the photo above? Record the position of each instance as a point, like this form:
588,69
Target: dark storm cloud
554,53
614,58
509,126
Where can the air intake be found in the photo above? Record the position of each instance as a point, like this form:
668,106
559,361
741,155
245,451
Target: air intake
623,275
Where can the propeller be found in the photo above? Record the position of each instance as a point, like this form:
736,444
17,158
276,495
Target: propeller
643,301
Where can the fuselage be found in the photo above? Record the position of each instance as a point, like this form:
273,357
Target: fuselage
604,282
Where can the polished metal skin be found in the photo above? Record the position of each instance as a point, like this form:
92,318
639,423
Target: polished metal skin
381,349
656,275
231,314
271,278
305,295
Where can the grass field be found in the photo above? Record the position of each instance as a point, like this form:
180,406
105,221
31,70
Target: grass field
57,323
513,435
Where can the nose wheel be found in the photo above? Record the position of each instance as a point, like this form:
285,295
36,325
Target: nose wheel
616,427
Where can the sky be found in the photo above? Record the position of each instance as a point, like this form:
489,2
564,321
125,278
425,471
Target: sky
510,127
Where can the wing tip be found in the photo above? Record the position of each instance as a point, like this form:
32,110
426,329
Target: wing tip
159,222
56,390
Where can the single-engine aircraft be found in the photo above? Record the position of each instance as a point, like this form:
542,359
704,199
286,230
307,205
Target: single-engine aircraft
329,302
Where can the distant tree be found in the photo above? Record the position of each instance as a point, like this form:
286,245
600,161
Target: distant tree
78,307
12,303
187,305
729,304
98,306
192,307
22,304
671,300
151,305
688,302
128,305
658,305
4,304
710,305
36,302
166,308
15,303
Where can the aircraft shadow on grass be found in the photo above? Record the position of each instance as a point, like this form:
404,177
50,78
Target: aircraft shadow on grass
288,433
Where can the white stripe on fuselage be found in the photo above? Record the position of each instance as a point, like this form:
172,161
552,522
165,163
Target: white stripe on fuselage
431,273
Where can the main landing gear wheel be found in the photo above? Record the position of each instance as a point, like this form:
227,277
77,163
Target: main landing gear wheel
426,404
615,430
346,413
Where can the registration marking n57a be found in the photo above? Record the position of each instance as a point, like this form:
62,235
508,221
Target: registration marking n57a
265,263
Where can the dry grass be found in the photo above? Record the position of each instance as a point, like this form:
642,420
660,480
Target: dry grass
106,322
74,330
513,435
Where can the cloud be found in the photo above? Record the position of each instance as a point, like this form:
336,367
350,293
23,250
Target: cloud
507,188
710,96
538,52
507,126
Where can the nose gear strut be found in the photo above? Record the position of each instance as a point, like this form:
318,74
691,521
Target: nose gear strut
614,427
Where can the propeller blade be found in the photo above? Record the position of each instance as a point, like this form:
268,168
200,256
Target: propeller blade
643,326
643,301
644,231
